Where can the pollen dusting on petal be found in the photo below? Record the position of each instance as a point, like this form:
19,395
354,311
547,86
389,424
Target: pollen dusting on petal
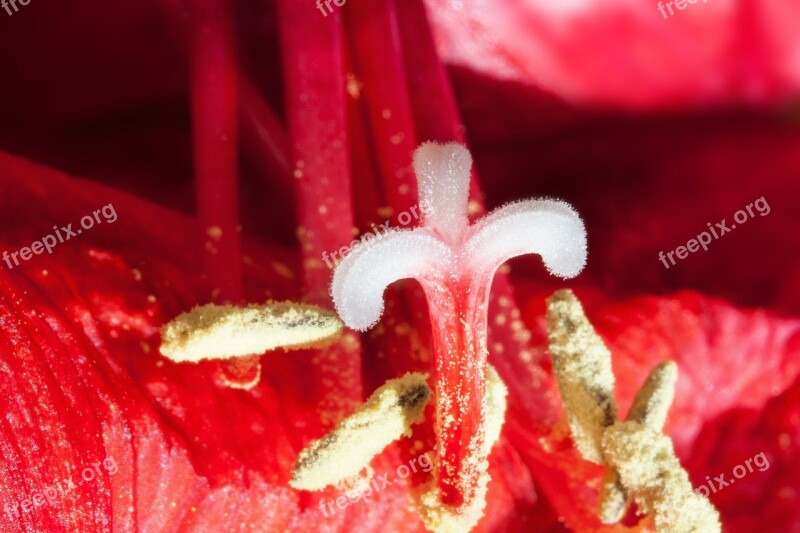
385,417
496,404
442,518
582,365
648,468
225,331
653,400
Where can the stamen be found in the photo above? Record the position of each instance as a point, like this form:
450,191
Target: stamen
224,331
648,468
650,407
614,499
639,459
385,417
582,365
652,402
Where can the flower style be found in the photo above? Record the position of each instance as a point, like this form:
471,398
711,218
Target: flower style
455,263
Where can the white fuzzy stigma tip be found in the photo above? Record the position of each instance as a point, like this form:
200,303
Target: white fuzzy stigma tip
446,247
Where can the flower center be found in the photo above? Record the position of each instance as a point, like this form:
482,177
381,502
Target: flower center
455,263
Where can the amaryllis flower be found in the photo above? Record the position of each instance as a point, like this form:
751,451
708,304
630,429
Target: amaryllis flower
160,156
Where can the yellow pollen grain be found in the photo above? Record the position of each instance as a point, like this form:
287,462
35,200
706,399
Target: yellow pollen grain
648,468
582,365
350,342
353,86
385,417
312,264
224,331
215,233
282,270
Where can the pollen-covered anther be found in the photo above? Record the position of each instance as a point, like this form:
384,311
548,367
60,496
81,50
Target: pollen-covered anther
650,407
225,331
639,460
648,468
582,365
653,400
384,418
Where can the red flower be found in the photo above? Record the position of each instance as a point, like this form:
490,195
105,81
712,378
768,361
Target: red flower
102,433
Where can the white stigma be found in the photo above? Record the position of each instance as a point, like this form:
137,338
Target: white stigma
445,246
